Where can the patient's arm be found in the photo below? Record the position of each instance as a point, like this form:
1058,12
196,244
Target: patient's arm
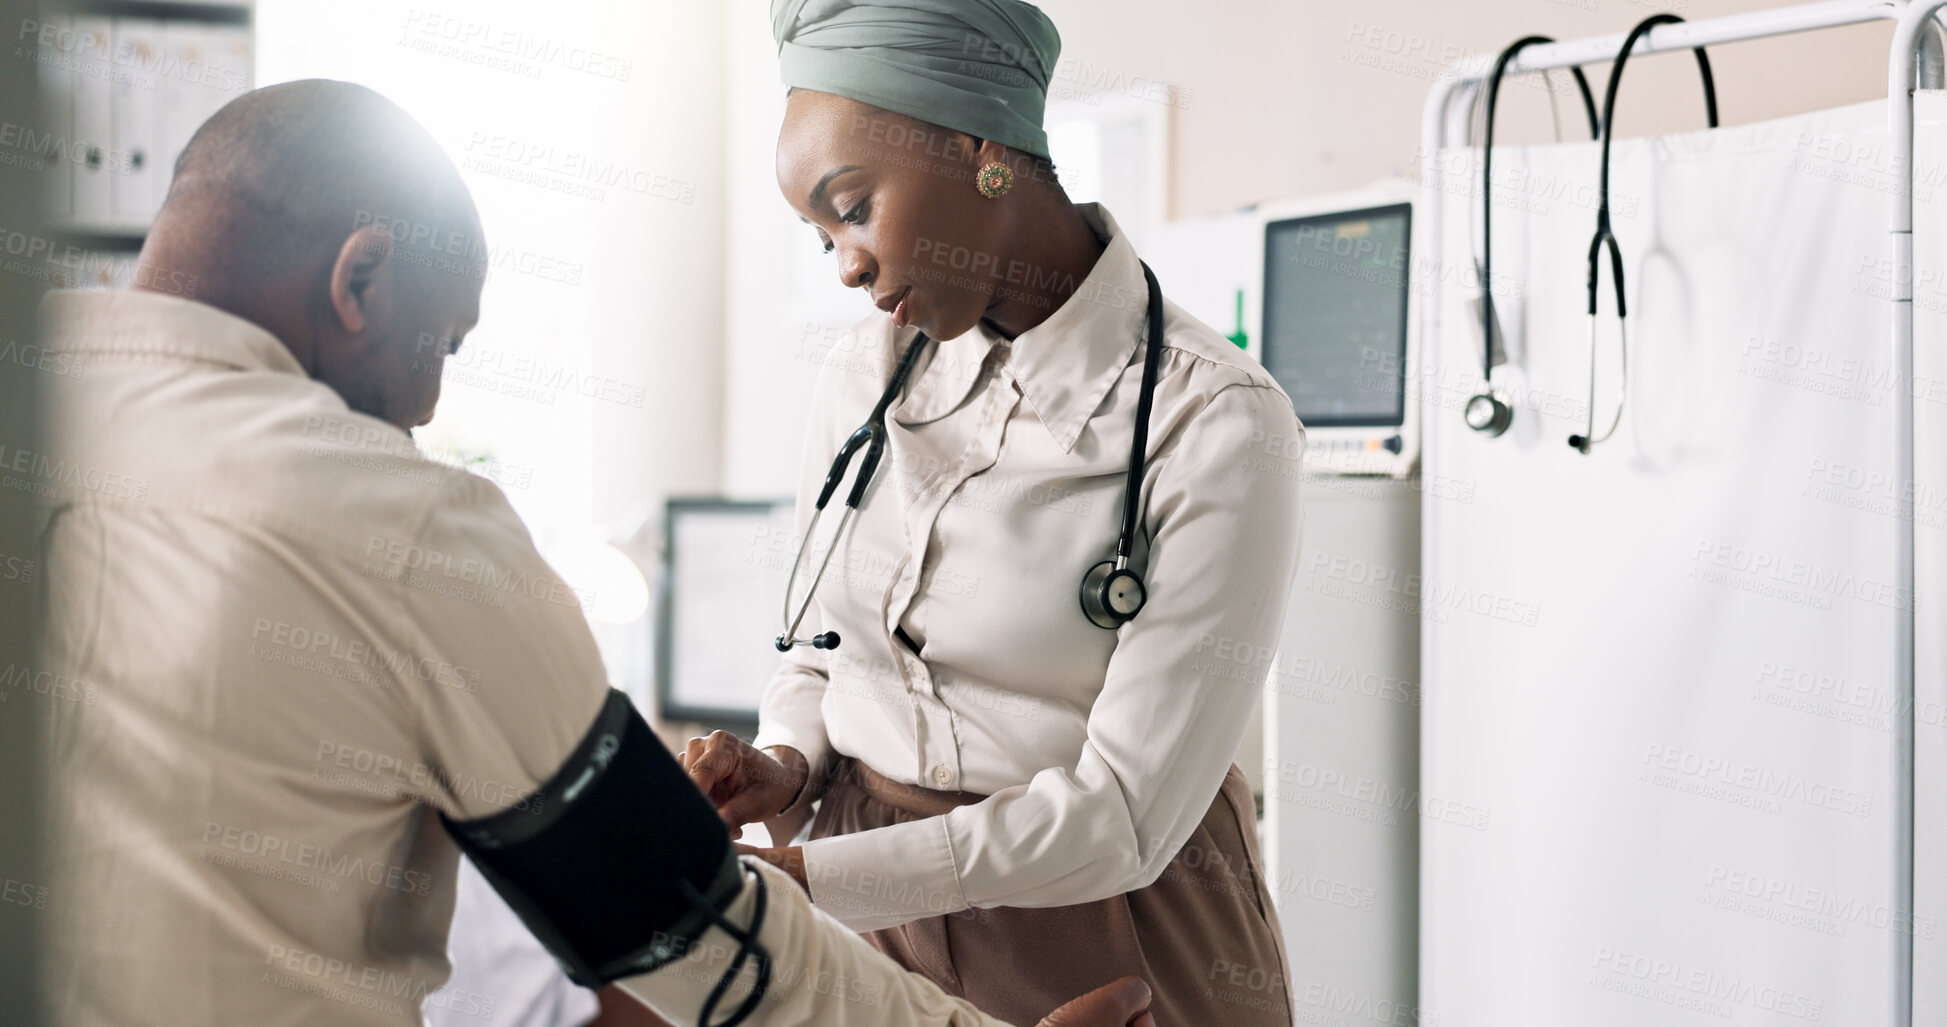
822,973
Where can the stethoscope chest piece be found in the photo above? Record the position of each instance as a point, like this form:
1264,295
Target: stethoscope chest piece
1112,596
1489,414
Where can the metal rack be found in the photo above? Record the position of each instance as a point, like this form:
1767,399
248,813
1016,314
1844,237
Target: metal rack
1915,60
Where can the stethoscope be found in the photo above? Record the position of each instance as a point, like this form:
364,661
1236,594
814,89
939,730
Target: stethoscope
1112,593
1587,438
1488,413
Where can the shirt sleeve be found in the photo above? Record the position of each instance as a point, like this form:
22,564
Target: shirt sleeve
821,972
515,683
1224,519
504,675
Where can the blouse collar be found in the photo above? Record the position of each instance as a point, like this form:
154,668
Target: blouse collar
1066,364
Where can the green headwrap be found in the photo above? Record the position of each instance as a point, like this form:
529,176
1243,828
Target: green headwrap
976,66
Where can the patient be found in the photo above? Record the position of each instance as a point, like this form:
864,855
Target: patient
303,645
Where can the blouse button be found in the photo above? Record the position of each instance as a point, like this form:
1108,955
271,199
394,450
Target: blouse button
942,775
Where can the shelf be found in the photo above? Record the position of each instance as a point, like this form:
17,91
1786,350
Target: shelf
212,13
101,238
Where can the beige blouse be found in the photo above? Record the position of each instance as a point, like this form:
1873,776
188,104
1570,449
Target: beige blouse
966,662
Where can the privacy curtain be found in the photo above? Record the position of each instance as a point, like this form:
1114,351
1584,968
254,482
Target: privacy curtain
1665,669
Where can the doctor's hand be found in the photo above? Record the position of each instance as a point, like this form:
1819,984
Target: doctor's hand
745,784
1125,1002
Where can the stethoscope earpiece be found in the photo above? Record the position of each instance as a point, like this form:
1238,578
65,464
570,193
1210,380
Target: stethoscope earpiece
822,640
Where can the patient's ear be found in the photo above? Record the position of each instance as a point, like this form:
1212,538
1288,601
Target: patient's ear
355,274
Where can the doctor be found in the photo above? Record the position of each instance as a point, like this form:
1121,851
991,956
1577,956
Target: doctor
1020,799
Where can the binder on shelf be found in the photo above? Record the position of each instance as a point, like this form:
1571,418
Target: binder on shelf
178,100
93,121
136,189
122,98
55,150
221,58
232,64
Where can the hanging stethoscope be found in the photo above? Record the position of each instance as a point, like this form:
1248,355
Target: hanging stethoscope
1488,412
1587,438
1112,593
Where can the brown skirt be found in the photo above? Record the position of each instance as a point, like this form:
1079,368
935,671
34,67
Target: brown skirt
1204,935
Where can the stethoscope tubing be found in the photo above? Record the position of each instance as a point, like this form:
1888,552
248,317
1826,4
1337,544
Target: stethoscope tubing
1605,236
872,435
1138,446
1487,185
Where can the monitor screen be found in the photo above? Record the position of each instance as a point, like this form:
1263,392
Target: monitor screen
1334,327
724,569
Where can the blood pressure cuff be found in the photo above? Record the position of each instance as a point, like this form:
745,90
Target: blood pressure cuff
618,863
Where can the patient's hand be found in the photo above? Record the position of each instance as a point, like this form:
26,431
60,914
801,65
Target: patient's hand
1125,1002
745,784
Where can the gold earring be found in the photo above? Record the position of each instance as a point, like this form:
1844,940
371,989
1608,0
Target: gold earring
994,180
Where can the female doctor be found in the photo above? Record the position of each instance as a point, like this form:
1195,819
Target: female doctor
1025,793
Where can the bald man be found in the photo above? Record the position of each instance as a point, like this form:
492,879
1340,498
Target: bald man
294,667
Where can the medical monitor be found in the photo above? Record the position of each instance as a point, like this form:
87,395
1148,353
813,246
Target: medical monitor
724,569
1336,329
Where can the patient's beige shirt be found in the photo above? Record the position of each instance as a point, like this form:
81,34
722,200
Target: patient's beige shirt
287,640
279,642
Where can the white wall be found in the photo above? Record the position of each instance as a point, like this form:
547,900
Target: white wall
592,136
1267,99
679,300
785,303
597,382
1288,97
1271,99
717,308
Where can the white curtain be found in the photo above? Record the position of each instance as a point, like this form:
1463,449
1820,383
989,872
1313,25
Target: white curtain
1665,668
